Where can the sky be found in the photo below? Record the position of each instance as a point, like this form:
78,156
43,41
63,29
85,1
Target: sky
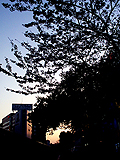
55,137
11,26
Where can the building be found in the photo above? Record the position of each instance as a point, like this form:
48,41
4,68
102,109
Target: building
0,125
17,122
8,122
22,126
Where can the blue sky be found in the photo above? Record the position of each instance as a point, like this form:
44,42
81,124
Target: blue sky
11,26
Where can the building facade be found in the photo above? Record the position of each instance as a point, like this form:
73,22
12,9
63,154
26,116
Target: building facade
8,122
18,123
22,126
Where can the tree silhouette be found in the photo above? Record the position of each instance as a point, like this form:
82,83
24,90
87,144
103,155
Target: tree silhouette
84,37
69,33
88,97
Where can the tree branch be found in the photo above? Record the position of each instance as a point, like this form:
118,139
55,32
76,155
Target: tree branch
112,10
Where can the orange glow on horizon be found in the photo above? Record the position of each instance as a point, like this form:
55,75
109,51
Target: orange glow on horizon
55,137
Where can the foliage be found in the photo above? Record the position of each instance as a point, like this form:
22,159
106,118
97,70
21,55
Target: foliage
85,96
82,36
69,34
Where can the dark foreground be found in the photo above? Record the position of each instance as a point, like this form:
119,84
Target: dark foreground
15,146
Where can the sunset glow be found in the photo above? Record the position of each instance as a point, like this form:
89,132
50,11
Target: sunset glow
55,137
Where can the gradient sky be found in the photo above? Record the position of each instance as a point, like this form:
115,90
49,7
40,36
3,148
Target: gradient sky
11,26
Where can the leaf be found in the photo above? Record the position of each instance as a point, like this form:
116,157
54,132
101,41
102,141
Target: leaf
6,5
12,61
29,24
